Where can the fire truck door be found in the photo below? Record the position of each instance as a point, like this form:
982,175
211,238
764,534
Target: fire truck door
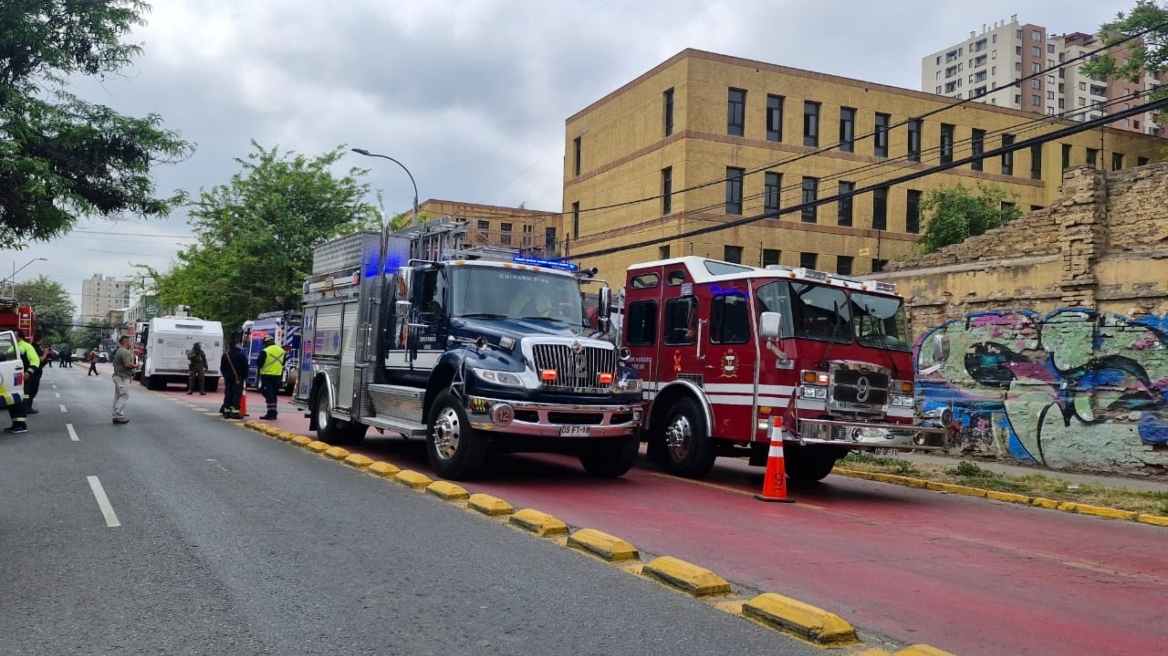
730,363
680,331
420,341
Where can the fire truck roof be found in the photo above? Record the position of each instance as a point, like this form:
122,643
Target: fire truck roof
704,270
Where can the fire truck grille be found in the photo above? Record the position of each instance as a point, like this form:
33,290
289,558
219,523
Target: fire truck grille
578,369
856,390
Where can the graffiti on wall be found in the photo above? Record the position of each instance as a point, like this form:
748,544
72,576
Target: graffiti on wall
1074,389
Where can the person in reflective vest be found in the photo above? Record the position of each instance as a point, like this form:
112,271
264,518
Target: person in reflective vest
18,412
271,367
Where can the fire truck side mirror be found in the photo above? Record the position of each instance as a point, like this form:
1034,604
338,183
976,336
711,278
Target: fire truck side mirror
405,279
604,310
770,325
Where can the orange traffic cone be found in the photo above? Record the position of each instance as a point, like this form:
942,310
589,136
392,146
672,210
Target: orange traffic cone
774,482
243,404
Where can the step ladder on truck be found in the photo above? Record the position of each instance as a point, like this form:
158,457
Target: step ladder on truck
471,352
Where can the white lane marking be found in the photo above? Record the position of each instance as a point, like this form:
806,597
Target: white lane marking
72,433
111,518
54,387
63,409
57,394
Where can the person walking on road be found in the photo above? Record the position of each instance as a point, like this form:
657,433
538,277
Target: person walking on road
124,366
18,412
233,365
270,366
198,362
47,357
92,358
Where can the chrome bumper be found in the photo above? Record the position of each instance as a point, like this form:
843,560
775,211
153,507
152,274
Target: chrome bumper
871,435
552,419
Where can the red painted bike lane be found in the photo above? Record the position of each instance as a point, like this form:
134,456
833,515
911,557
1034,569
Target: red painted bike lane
966,575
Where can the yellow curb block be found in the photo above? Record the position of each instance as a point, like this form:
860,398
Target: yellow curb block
412,479
447,491
317,446
1043,502
384,469
956,489
337,453
1067,506
359,461
881,478
603,545
300,440
806,621
1008,497
542,524
1110,513
489,505
687,577
921,650
285,436
1154,520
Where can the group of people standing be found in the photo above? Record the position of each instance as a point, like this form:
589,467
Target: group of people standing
234,368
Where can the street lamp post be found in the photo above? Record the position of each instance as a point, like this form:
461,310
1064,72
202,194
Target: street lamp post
12,279
362,151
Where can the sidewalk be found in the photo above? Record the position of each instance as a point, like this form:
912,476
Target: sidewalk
1125,482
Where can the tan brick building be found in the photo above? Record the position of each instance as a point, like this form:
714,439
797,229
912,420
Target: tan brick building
532,231
704,139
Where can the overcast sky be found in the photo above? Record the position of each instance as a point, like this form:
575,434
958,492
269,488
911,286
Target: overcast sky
471,95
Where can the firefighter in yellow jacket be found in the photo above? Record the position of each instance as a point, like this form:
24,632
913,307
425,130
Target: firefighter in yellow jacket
270,367
18,412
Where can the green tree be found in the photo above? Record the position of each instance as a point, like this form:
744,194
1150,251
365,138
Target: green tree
60,156
52,305
255,234
88,336
954,214
1147,53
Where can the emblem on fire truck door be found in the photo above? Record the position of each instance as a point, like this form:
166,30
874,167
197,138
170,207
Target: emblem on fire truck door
677,361
729,365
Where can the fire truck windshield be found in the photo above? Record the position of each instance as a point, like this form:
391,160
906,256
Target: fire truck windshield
821,312
498,293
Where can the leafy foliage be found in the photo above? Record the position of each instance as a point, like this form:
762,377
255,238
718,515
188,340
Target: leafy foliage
61,157
52,305
255,234
91,335
1145,54
954,214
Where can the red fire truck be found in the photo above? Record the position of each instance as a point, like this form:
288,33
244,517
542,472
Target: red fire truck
13,316
732,355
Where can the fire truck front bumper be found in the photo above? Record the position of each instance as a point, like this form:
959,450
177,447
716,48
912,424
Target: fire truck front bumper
553,419
873,435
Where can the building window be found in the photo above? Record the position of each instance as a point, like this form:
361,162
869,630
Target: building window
880,208
484,225
1035,101
771,190
1035,35
576,155
1066,156
1116,161
734,190
811,124
947,143
808,260
914,140
1035,51
1007,207
847,131
770,256
668,113
663,252
880,143
912,213
1092,157
878,265
810,195
549,240
1007,157
505,238
843,265
576,219
774,118
666,190
736,113
732,254
1036,162
844,216
1141,161
977,147
1050,48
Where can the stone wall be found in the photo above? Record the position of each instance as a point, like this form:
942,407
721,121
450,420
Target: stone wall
1048,337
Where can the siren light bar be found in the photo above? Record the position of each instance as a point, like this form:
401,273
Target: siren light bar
550,264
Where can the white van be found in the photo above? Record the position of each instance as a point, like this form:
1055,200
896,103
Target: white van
11,371
166,344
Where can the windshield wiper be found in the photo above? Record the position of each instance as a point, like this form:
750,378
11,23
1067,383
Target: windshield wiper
883,339
542,319
834,335
482,315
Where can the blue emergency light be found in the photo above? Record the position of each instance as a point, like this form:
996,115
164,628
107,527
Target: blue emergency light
550,264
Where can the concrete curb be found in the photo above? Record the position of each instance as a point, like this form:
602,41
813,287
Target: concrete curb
808,622
1007,497
489,505
607,547
337,453
413,479
447,491
384,469
687,577
541,524
359,461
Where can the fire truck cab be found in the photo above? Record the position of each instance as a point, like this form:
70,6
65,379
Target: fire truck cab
733,355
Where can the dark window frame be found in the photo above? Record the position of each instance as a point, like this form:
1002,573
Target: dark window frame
948,136
668,99
734,181
912,212
847,135
684,334
914,140
1007,157
736,112
880,139
718,319
577,157
772,191
774,121
811,113
732,253
810,194
880,208
648,328
977,149
666,191
845,214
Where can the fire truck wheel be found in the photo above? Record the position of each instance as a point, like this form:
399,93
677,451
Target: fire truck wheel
456,451
610,458
331,430
689,449
810,464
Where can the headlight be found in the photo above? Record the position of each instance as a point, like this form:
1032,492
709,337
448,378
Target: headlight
504,378
813,392
628,386
899,401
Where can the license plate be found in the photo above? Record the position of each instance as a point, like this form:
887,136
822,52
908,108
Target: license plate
573,431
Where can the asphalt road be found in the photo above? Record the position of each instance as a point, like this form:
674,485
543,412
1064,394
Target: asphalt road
217,540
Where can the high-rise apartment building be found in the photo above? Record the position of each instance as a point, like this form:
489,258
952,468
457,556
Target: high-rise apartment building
688,157
986,67
100,294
